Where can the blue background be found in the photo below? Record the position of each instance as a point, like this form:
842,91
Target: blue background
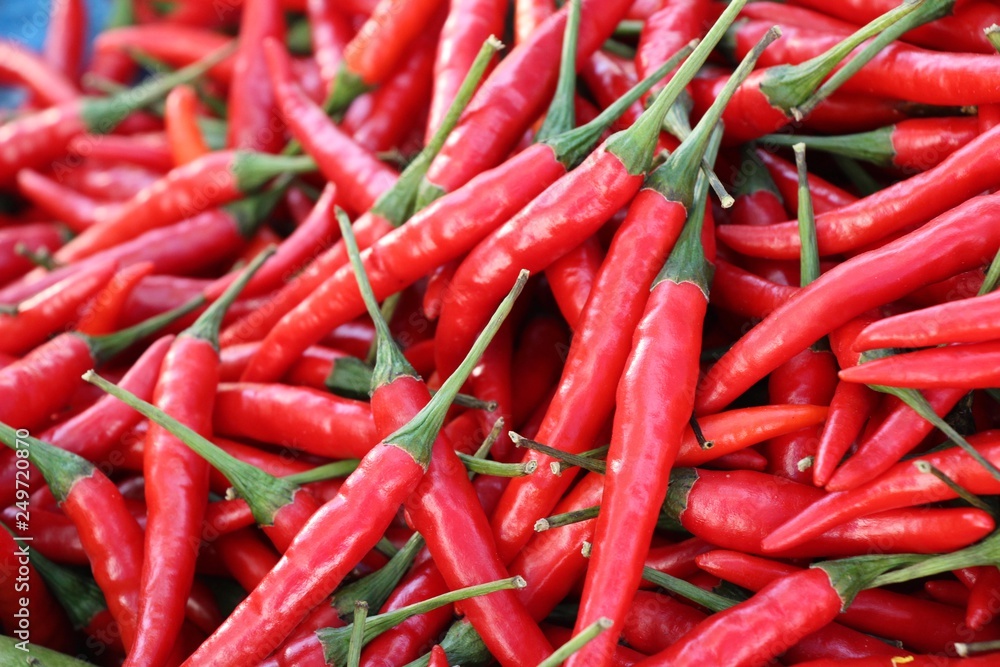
26,21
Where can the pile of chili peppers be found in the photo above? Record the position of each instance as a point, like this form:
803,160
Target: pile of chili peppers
518,332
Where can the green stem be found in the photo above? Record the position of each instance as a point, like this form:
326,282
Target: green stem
809,255
335,640
253,170
60,468
561,116
616,48
397,204
42,258
965,650
324,472
496,468
963,493
463,646
584,462
358,633
104,348
874,146
13,652
417,436
388,311
558,467
263,492
567,518
786,87
390,363
207,326
992,276
857,175
250,212
629,28
911,14
687,590
375,588
986,552
576,643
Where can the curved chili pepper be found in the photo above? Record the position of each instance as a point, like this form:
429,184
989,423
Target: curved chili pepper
336,537
33,237
77,211
667,30
608,77
469,24
55,308
494,122
953,366
529,15
39,138
571,278
211,181
744,293
825,196
443,231
969,320
181,120
252,112
902,485
246,556
924,626
108,183
912,145
979,613
379,46
47,83
835,296
101,315
175,45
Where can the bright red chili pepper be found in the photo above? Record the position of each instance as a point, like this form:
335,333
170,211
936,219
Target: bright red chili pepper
980,613
175,45
149,149
109,183
952,366
903,485
181,120
76,210
947,591
667,30
529,15
825,196
331,31
971,320
49,85
253,122
571,278
101,315
64,42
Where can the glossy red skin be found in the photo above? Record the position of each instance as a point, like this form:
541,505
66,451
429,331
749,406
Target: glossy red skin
667,31
791,15
850,408
738,509
739,291
296,417
808,378
469,24
174,44
900,486
331,543
948,591
774,618
899,432
77,211
65,40
53,535
922,143
825,196
35,237
561,218
922,625
311,370
970,320
845,112
383,41
247,557
443,231
38,139
330,30
181,249
176,494
515,95
359,176
537,364
101,315
148,149
655,621
954,366
609,77
252,113
48,86
749,115
953,242
571,278
494,381
597,355
918,661
665,350
53,311
43,381
529,15
180,118
979,613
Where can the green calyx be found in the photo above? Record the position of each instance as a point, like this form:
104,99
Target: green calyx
263,492
561,116
336,640
252,170
682,480
390,363
102,115
463,646
572,147
376,587
207,326
347,87
79,595
911,14
675,179
417,437
60,468
850,576
788,86
104,348
399,202
635,146
874,147
752,176
250,212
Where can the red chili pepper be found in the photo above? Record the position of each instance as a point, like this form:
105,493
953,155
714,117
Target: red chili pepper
667,30
921,625
743,293
181,119
20,66
175,45
57,308
331,31
825,196
965,321
101,315
953,366
40,138
903,485
442,232
109,183
917,661
469,24
537,364
149,149
845,112
790,15
571,278
252,113
833,299
608,77
494,122
64,42
529,15
980,611
948,591
246,556
33,237
77,211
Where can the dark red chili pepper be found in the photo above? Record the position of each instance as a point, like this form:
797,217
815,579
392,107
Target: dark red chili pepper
903,485
53,310
307,572
49,85
825,196
378,47
911,661
980,612
913,145
494,121
109,183
77,211
252,112
101,315
469,24
150,150
744,293
442,232
571,278
948,591
180,117
39,138
948,245
845,112
922,625
537,364
383,120
608,76
247,557
790,15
